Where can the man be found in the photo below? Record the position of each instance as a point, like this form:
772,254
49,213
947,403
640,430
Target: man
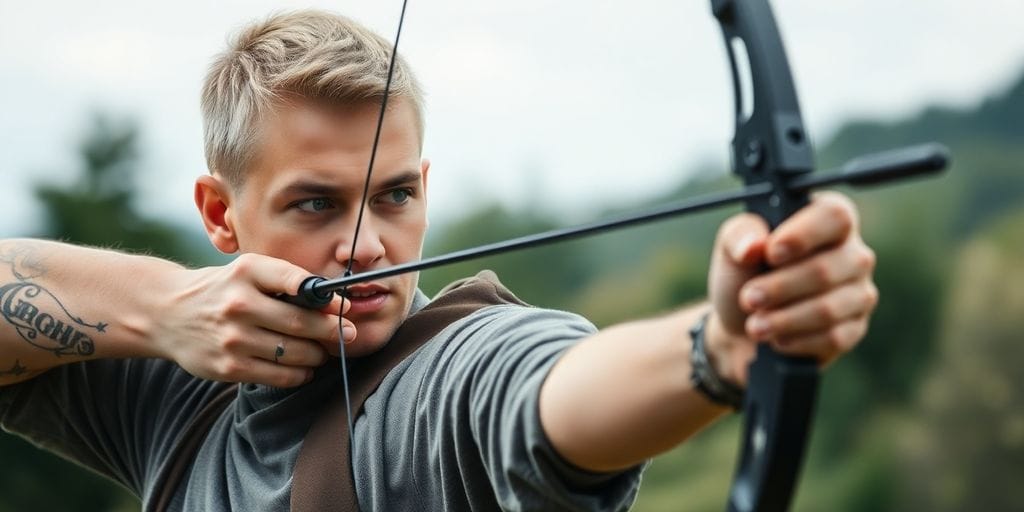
512,407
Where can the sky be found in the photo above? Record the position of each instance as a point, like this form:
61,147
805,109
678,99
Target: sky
571,106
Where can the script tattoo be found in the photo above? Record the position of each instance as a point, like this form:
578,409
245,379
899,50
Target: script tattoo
37,314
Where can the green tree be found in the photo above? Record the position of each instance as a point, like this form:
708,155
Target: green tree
97,208
965,448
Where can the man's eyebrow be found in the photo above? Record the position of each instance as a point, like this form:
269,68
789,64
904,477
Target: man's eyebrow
312,188
404,178
317,188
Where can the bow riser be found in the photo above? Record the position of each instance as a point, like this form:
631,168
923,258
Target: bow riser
770,145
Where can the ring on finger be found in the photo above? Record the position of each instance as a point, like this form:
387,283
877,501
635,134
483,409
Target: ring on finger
279,352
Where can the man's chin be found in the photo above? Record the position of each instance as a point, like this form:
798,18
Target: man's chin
359,348
370,338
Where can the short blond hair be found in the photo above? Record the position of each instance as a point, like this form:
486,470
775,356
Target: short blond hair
311,54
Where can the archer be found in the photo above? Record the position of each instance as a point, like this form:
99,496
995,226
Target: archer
508,407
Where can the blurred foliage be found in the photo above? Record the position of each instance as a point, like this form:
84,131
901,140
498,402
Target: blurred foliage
97,207
925,415
964,445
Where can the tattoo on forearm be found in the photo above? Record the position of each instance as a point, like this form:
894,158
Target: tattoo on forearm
37,314
15,371
25,262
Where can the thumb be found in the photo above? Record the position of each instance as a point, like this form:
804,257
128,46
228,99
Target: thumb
738,255
338,306
742,240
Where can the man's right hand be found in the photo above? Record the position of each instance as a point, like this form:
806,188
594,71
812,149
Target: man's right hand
224,323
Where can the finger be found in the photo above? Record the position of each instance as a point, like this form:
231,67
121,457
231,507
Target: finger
288,319
825,222
270,275
826,346
348,334
253,342
813,276
816,314
273,276
338,306
260,371
292,352
741,239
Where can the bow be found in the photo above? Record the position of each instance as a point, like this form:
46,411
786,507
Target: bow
773,155
769,146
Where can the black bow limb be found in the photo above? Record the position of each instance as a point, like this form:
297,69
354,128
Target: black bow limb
770,145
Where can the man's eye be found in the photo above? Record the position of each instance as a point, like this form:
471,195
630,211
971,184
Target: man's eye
397,196
318,204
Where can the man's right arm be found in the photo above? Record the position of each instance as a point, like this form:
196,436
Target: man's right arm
61,303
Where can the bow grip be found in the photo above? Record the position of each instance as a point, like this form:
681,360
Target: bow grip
308,296
777,422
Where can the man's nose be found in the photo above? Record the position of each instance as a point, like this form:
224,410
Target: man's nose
369,249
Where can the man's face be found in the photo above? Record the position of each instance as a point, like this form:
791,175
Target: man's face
301,200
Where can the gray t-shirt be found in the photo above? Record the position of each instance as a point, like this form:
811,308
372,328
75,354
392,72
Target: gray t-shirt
453,427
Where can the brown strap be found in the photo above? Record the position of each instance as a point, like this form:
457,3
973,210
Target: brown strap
185,450
322,479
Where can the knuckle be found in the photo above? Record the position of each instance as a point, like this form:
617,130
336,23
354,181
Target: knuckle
821,273
827,311
235,304
848,335
243,264
231,340
229,369
836,339
867,259
871,295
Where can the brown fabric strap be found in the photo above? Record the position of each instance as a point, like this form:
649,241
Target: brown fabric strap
185,450
322,479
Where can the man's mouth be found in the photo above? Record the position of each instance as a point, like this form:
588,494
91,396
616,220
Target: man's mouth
366,298
361,295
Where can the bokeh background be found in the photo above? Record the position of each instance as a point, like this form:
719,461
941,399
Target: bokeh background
546,114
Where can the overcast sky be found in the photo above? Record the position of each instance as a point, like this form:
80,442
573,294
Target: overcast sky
573,105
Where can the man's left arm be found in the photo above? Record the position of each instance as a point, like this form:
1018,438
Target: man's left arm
625,394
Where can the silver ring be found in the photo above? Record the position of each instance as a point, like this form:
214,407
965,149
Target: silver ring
279,352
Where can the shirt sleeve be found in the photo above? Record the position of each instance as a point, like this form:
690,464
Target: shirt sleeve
119,418
471,431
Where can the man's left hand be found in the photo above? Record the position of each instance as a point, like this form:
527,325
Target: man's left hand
814,301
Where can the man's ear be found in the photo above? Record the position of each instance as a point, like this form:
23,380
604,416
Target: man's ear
213,199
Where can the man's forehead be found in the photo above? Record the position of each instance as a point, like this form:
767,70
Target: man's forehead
312,115
318,122
308,146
